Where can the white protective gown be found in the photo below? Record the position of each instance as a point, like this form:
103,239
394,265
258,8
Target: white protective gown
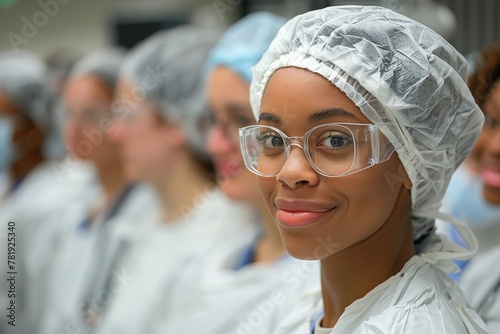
36,208
421,298
161,252
224,299
481,285
84,273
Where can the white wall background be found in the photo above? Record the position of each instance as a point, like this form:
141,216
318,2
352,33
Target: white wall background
78,24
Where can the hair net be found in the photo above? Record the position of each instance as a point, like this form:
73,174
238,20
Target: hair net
168,69
104,63
243,43
23,81
404,77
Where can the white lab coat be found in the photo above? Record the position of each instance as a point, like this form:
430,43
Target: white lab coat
223,300
421,298
35,208
481,285
84,269
160,253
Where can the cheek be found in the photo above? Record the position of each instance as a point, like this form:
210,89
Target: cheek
240,185
371,200
267,186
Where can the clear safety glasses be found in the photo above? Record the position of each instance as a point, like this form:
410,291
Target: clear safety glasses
333,149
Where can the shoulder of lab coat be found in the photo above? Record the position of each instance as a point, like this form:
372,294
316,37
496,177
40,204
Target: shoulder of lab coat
479,280
85,251
419,299
159,254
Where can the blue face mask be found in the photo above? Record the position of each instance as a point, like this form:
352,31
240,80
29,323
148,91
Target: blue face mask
6,147
464,199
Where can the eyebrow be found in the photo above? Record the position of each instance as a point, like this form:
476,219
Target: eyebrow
328,113
316,117
269,118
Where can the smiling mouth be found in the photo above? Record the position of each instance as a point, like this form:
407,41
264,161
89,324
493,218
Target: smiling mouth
299,218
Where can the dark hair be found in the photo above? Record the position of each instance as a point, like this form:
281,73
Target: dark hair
486,74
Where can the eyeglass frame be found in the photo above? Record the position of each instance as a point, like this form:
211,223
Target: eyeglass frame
288,143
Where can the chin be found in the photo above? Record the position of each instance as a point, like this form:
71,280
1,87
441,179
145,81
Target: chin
302,247
492,195
233,192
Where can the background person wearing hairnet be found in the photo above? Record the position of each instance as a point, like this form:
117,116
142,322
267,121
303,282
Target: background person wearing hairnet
33,192
464,197
162,121
84,270
364,114
481,277
246,284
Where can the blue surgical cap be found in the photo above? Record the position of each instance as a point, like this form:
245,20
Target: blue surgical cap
244,43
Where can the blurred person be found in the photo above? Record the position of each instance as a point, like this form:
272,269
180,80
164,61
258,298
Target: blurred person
363,116
33,192
251,277
24,104
161,119
59,63
91,244
481,278
464,197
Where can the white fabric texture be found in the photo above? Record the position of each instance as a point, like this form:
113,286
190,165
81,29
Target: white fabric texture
39,208
419,299
481,285
86,258
161,252
218,298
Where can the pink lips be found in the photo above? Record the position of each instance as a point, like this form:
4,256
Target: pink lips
300,213
491,176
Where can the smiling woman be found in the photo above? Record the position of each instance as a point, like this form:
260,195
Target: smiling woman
337,93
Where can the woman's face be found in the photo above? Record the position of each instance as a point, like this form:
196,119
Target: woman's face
147,142
317,215
229,100
26,137
489,142
88,119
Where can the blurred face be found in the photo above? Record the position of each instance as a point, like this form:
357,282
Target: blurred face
88,119
26,137
147,142
309,207
489,145
229,100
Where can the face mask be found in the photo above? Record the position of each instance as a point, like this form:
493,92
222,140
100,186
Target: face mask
464,200
6,147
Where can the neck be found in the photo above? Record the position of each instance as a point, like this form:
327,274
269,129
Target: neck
350,274
112,179
182,187
270,246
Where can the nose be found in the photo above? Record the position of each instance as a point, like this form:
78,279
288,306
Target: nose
297,171
218,141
